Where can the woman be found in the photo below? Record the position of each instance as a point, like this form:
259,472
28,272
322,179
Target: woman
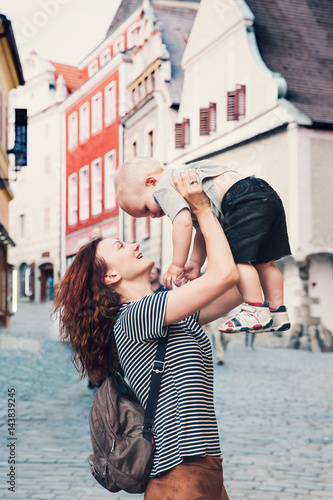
109,277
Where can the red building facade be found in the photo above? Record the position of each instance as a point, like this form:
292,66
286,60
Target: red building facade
94,135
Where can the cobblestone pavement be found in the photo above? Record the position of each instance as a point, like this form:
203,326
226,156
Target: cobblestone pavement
274,406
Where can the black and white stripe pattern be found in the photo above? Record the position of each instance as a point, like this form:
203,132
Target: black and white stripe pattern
185,422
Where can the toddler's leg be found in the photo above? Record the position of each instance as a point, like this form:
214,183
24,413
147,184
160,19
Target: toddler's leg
249,283
272,283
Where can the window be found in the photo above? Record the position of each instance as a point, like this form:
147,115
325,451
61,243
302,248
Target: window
84,193
96,187
182,134
47,165
84,122
22,226
110,103
72,199
109,171
140,91
132,38
46,220
119,46
146,85
92,68
134,150
208,119
236,103
72,131
96,113
133,97
105,57
151,143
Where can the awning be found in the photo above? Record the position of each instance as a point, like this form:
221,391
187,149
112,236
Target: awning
5,239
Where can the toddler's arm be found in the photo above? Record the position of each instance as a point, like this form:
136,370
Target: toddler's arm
181,240
198,257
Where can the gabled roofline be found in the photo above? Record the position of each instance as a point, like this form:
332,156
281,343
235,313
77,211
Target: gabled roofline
9,35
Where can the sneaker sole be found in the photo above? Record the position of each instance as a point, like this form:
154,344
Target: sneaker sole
255,328
281,328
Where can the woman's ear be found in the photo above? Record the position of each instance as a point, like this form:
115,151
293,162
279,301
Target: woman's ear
111,278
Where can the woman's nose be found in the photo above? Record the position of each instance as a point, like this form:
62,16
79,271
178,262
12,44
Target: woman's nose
135,246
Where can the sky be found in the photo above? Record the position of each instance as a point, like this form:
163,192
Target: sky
64,31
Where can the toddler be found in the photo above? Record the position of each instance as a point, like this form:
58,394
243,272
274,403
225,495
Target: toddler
253,219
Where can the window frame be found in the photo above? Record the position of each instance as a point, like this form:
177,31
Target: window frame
95,115
105,57
109,180
73,136
110,94
84,202
72,195
96,194
93,68
84,138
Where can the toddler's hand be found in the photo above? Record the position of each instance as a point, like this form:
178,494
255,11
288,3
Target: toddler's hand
173,274
192,270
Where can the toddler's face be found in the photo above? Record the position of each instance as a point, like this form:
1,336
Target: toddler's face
143,204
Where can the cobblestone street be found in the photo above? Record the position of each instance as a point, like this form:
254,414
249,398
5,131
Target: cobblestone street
275,410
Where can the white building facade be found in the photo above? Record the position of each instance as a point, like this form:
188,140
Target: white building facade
35,213
243,114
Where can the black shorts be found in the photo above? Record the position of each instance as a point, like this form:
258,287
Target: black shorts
255,222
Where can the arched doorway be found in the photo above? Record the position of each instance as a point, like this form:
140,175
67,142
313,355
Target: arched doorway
46,275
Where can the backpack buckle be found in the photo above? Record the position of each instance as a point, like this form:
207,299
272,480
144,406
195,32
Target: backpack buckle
158,366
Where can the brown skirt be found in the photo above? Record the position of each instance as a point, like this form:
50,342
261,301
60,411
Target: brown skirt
196,478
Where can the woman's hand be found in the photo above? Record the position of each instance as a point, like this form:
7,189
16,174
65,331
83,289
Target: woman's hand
191,190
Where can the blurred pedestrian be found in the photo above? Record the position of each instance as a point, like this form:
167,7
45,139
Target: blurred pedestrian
253,335
155,277
49,286
218,339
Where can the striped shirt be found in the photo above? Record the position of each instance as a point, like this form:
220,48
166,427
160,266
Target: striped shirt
185,423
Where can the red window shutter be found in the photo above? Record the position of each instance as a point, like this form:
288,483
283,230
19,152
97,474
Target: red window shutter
179,140
212,116
241,93
232,106
186,131
204,121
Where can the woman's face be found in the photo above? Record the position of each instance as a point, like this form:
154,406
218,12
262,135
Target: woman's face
125,259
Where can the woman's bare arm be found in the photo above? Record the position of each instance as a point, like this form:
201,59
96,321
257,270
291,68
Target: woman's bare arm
220,306
221,274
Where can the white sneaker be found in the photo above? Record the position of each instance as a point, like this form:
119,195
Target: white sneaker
281,321
250,318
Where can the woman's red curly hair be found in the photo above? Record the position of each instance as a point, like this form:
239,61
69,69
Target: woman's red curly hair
87,309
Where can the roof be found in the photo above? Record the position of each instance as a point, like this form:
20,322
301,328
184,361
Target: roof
295,38
125,10
7,32
176,26
71,74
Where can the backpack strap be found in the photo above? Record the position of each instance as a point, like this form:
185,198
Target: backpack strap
155,383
